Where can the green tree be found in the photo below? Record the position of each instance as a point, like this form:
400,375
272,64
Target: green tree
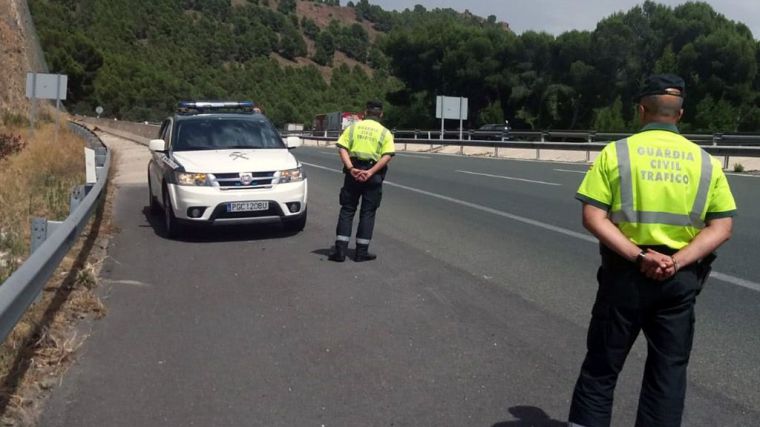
610,119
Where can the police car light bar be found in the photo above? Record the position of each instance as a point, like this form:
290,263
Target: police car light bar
187,106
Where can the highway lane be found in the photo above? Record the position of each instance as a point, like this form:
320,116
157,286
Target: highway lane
467,318
727,314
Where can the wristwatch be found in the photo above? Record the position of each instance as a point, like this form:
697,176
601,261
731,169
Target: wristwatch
640,257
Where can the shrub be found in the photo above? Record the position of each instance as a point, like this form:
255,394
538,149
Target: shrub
10,145
14,119
738,167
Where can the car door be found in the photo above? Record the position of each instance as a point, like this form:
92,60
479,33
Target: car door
156,168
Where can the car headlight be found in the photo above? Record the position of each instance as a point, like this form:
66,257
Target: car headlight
198,179
291,175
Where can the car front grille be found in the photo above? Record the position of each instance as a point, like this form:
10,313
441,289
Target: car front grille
229,181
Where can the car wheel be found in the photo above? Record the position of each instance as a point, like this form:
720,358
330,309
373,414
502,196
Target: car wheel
297,225
171,226
153,206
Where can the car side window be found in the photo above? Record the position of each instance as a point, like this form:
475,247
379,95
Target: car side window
162,129
167,130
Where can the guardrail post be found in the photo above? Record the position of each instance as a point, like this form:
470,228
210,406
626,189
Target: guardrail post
496,150
78,194
39,233
725,163
100,156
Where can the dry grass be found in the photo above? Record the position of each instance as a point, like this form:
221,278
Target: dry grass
36,182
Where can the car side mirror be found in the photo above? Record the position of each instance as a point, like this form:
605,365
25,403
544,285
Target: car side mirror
294,142
157,145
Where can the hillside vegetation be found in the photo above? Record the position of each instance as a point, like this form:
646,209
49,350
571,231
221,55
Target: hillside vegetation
300,58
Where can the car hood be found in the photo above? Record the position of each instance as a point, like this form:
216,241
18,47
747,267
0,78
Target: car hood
220,161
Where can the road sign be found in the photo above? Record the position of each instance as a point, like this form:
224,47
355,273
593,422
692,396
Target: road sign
453,108
46,86
450,107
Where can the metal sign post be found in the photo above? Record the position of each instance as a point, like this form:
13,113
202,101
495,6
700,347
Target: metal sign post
460,118
452,108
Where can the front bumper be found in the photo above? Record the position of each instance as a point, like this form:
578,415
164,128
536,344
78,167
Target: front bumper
213,202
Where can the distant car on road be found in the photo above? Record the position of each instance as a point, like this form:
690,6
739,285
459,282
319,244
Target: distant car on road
493,132
223,163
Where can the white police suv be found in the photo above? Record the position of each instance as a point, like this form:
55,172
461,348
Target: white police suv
223,163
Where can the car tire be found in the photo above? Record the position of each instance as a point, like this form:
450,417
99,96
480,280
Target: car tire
153,206
297,225
171,225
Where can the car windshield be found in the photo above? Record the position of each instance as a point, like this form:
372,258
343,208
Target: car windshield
225,133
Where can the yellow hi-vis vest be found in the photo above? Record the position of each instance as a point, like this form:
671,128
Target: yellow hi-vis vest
367,140
658,187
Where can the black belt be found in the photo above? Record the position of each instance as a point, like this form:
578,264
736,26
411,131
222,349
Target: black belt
362,164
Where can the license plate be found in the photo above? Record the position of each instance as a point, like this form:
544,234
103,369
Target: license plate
247,206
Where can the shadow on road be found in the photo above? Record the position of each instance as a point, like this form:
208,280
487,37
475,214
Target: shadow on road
210,234
530,416
326,252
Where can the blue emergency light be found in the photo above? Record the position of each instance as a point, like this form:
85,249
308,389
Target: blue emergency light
201,106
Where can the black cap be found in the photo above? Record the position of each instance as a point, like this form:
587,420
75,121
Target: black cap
662,84
374,105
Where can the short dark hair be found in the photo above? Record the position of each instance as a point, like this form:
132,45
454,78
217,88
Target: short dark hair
660,105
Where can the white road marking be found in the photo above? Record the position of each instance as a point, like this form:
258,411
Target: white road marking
128,282
580,236
569,170
417,156
509,177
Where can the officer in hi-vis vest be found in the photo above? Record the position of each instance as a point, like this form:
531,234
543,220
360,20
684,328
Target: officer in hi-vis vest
660,206
365,149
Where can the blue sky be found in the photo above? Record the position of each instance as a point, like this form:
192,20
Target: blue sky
557,16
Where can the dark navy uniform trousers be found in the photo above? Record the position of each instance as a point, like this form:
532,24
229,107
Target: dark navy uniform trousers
626,303
370,194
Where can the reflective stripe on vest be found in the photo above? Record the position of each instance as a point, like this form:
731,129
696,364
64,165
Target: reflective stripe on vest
380,143
628,213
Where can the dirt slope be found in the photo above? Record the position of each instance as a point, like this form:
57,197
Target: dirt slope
19,54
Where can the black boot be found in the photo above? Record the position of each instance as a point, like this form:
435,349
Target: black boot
338,253
362,254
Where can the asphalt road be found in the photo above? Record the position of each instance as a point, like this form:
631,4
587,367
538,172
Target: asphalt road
474,313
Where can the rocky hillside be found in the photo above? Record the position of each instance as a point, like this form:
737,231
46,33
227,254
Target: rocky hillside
20,55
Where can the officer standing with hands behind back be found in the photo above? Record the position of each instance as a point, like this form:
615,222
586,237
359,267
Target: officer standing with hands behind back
660,206
365,149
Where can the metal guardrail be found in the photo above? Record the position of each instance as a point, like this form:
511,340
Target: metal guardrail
21,289
716,150
732,140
